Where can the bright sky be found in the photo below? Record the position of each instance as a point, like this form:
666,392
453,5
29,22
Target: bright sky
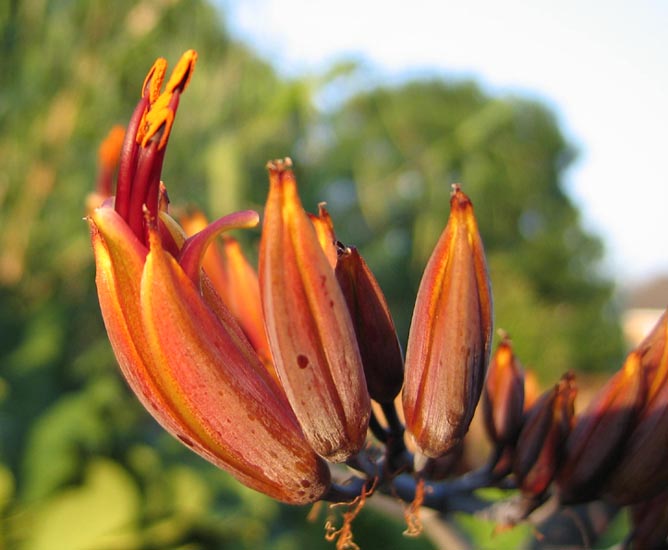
602,66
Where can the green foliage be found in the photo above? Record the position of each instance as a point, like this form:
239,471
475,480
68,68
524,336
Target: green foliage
395,151
81,465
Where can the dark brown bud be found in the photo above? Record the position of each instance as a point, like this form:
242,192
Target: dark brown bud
650,523
503,395
641,472
376,336
599,434
539,446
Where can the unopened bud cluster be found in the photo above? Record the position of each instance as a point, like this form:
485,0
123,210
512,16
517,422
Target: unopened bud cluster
271,375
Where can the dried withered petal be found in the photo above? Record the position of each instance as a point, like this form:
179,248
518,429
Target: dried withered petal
376,335
450,336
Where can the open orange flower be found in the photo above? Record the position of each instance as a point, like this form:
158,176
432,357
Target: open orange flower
178,346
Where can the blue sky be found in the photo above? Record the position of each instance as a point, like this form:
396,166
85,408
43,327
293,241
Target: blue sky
601,66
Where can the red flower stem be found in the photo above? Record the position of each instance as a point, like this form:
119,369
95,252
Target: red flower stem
140,188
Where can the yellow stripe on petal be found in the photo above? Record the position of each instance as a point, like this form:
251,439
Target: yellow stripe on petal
119,260
219,386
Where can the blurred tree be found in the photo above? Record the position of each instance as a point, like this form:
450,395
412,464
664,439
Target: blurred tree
385,160
75,467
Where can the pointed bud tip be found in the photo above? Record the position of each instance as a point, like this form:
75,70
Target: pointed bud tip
279,165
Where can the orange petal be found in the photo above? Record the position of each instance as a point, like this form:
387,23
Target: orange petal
240,418
324,229
119,259
236,282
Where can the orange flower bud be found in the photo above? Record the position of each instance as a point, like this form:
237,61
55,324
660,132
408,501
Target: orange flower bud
450,336
599,434
311,335
376,335
539,447
503,395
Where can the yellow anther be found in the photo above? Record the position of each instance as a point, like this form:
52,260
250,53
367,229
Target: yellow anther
155,120
150,116
183,71
154,79
159,114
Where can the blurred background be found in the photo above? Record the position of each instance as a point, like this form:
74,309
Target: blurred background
550,120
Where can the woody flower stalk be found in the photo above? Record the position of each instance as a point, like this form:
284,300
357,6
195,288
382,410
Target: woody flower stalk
180,349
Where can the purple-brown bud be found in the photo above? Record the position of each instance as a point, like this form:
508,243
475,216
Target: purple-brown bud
450,336
376,335
641,472
650,523
600,432
503,395
539,446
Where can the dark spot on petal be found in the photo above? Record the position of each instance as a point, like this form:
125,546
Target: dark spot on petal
331,303
305,483
302,361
